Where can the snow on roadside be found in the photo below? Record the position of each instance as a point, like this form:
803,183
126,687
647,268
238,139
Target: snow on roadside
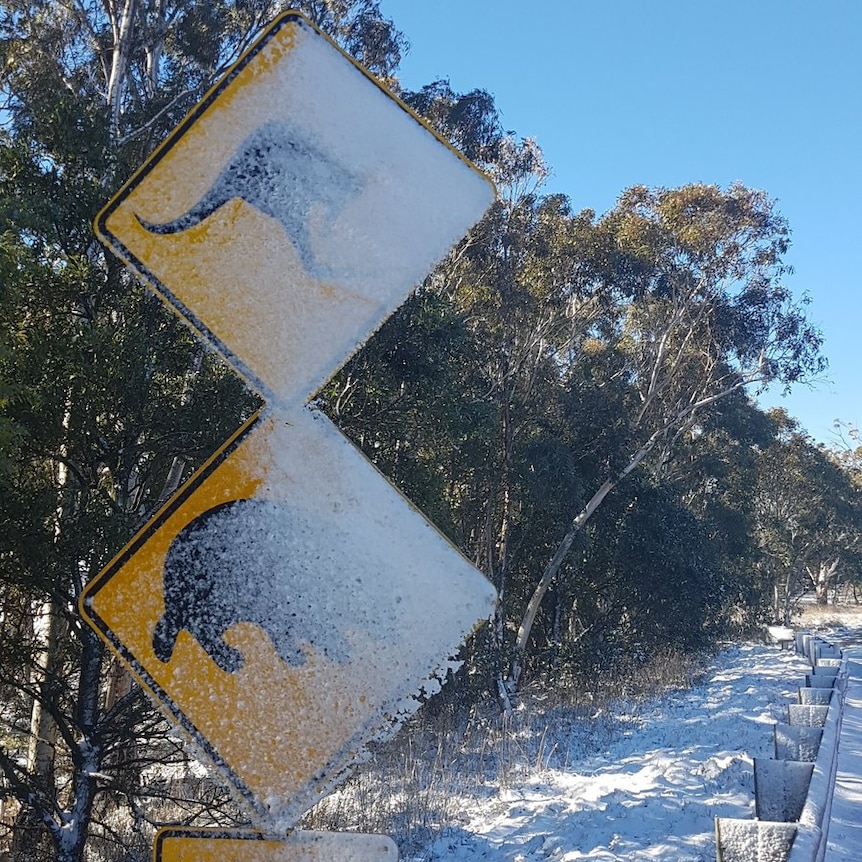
654,790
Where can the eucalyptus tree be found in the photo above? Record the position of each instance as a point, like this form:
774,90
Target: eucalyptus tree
635,326
514,283
649,581
714,471
690,282
106,400
809,518
847,450
611,343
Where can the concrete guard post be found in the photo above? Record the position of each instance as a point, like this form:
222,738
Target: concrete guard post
829,662
807,716
780,789
820,680
810,843
797,743
809,696
810,735
752,840
783,636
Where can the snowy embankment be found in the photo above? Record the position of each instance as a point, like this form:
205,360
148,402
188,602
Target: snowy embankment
652,790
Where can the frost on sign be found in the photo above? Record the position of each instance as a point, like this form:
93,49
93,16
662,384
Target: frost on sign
287,605
293,210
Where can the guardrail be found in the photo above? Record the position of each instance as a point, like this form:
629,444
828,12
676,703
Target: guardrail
810,843
793,791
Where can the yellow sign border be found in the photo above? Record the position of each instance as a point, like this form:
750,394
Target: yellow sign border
88,613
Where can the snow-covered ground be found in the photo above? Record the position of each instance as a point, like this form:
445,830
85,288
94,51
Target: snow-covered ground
653,791
632,780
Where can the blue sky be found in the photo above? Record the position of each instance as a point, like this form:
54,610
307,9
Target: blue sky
620,92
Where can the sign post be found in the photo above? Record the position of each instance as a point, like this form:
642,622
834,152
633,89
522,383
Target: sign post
287,605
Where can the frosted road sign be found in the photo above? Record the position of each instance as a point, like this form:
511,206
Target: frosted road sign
292,211
287,604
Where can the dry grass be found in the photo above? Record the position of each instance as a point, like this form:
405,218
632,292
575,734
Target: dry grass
829,616
412,787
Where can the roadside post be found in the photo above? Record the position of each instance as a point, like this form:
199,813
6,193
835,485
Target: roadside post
287,605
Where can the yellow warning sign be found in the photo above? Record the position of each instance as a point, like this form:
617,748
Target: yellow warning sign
293,210
285,607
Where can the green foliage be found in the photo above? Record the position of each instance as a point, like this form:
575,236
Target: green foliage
809,517
518,354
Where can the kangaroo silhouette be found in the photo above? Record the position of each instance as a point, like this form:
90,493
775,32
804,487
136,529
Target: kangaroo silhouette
282,173
253,561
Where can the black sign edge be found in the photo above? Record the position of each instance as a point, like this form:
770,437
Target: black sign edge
88,613
115,245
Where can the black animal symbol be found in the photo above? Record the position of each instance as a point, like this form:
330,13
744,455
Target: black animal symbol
278,170
253,561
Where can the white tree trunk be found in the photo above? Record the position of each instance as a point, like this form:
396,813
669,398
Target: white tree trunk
122,30
43,731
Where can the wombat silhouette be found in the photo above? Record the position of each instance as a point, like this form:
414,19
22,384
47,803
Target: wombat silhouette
279,171
254,561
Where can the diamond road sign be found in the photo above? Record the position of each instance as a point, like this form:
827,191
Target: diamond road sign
293,210
288,604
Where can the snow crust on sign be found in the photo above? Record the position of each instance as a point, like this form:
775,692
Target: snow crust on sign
417,197
298,212
406,201
261,562
747,841
325,608
406,593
